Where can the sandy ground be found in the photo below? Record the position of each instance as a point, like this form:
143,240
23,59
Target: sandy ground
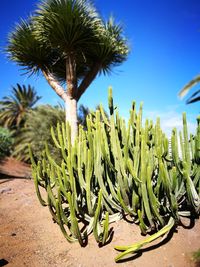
28,237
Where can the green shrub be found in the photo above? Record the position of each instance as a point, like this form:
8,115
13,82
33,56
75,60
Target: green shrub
6,142
37,131
196,257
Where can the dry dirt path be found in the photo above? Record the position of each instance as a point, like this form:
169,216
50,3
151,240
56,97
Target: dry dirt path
28,237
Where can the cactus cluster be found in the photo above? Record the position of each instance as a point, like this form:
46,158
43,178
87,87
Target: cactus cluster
116,169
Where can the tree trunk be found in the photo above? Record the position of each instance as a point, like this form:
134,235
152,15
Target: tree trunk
71,116
71,101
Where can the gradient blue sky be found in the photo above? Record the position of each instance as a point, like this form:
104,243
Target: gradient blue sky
164,36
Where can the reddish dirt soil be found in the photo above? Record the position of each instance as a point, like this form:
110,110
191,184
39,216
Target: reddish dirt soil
14,168
28,236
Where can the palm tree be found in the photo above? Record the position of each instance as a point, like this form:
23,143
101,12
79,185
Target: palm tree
196,95
68,42
15,106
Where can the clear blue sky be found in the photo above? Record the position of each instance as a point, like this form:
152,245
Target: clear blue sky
164,36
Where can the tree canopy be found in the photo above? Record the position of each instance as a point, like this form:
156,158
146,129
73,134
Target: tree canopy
63,29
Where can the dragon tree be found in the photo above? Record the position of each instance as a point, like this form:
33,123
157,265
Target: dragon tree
69,44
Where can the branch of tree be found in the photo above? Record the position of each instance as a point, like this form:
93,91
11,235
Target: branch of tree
60,91
91,75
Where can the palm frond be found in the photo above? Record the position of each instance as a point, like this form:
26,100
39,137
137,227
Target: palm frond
26,50
194,97
188,86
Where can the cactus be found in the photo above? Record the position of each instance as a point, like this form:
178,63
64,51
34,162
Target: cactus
115,169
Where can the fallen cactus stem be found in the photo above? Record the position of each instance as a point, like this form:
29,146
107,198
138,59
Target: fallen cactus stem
135,247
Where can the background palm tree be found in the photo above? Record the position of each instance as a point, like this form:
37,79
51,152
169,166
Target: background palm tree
196,95
14,107
68,42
